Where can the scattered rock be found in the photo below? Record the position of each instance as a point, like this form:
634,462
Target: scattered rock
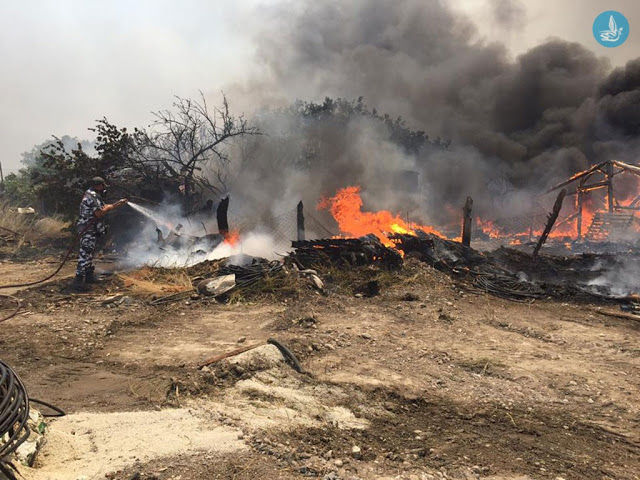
242,339
115,299
356,452
369,289
445,317
307,322
410,297
127,301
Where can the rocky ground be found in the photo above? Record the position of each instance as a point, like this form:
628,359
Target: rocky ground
430,379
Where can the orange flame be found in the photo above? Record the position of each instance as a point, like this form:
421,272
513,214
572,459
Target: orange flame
346,208
489,228
232,237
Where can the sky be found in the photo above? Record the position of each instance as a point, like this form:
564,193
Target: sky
66,63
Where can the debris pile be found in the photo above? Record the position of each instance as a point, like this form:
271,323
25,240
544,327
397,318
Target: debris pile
232,276
345,252
241,273
437,251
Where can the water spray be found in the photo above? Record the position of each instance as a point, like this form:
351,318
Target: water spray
151,215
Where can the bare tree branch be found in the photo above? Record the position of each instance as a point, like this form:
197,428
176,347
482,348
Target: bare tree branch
182,141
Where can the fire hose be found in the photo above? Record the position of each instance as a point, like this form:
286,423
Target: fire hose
14,415
64,261
15,310
57,270
48,277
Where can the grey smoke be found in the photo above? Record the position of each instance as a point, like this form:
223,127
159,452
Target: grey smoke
619,279
509,13
517,126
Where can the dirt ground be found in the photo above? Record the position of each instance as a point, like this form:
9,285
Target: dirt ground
427,380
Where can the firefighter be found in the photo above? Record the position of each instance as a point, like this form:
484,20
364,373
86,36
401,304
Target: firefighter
91,224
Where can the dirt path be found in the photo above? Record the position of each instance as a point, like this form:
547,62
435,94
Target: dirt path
452,384
13,273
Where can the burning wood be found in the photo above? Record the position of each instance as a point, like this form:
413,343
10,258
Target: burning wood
607,171
345,252
439,252
346,208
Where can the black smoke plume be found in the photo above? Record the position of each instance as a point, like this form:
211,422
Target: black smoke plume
516,125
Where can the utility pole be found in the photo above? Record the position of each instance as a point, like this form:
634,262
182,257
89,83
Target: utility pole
1,175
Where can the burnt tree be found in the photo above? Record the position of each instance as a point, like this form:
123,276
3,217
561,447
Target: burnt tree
187,144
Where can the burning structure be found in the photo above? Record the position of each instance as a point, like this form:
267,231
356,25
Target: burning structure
618,219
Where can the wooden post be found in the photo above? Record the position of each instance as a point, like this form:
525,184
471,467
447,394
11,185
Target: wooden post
553,216
466,222
221,216
300,222
610,185
579,216
579,201
1,175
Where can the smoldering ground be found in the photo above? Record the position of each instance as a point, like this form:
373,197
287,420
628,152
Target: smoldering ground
516,125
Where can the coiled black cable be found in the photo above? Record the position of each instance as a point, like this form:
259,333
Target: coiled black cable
14,414
14,411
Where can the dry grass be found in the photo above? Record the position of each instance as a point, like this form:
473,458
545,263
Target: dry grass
157,280
20,229
280,286
10,219
49,227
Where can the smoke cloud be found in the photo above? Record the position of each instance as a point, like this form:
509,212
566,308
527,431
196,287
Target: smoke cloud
516,125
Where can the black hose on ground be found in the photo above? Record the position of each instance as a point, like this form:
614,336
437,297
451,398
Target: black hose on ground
287,354
58,411
66,258
15,311
48,277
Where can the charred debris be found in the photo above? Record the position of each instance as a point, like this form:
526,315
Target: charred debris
593,267
506,272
